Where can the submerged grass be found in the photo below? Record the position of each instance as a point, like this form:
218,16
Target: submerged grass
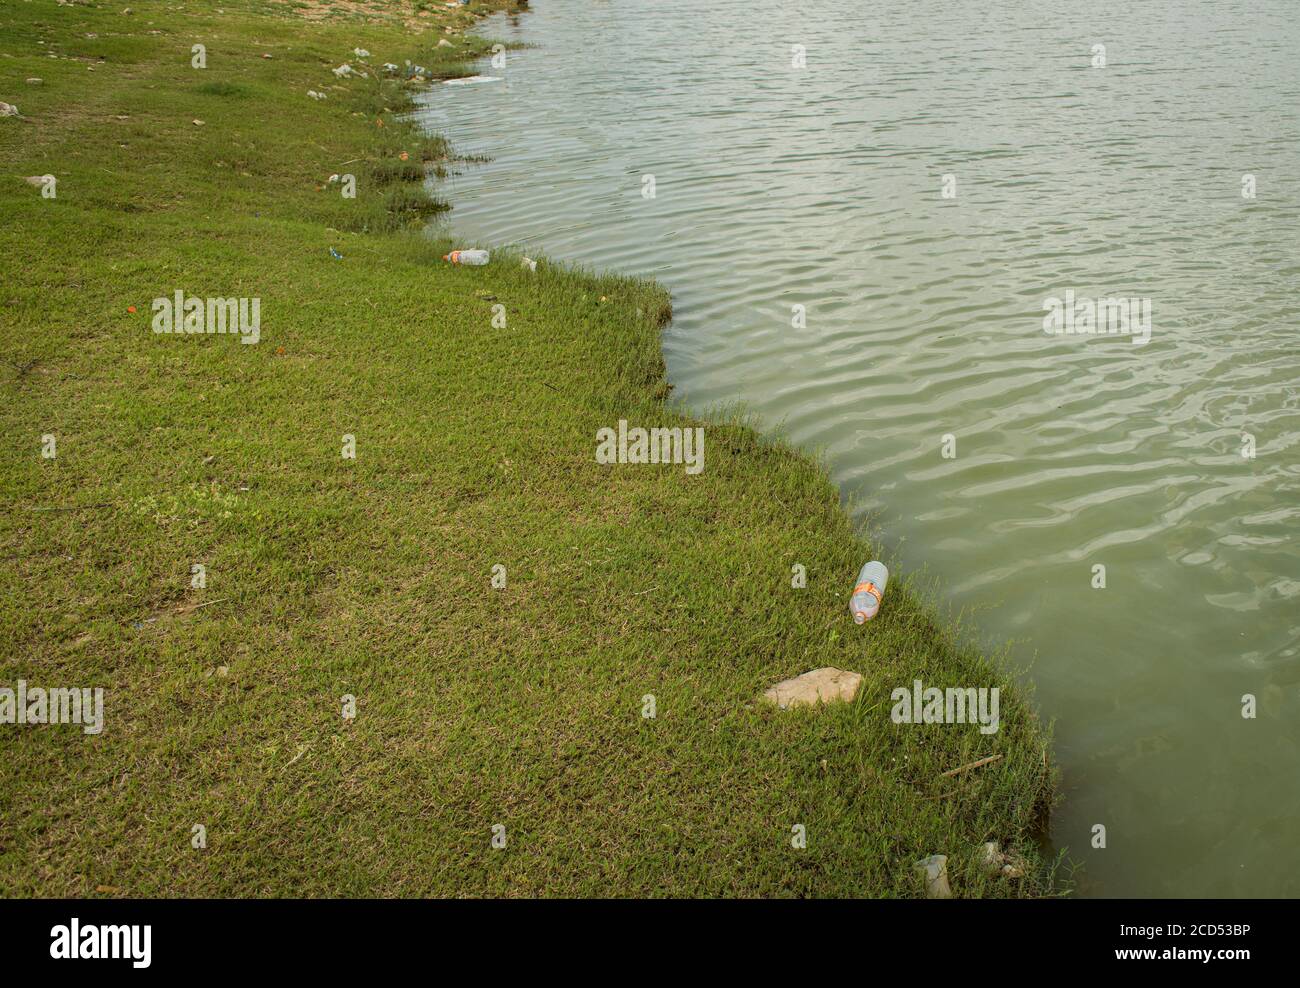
372,577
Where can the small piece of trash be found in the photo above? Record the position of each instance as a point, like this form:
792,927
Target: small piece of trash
197,123
343,71
335,254
529,263
8,110
315,95
934,872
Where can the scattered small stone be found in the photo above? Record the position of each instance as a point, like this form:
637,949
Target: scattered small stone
444,43
343,71
934,870
8,110
1015,867
995,862
823,685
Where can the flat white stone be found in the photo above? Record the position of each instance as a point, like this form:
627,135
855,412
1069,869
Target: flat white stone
823,685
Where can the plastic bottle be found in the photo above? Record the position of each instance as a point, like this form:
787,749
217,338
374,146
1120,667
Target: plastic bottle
475,256
865,602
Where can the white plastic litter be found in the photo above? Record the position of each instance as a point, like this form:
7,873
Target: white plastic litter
474,256
869,591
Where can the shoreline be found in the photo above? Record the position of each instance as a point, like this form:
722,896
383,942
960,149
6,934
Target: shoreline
634,582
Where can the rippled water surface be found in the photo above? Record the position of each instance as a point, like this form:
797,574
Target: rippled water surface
821,186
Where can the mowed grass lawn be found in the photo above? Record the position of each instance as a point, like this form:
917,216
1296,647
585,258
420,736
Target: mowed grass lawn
476,706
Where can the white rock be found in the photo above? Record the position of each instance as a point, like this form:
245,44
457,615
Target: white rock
818,686
529,263
991,857
8,110
360,53
444,43
934,870
343,70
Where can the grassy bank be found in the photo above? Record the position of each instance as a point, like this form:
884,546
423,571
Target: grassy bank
373,577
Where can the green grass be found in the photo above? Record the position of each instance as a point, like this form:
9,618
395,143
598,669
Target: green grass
327,576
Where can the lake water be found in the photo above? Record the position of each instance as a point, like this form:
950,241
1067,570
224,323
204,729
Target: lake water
823,186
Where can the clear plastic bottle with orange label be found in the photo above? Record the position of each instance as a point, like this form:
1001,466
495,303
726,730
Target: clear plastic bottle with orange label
474,256
865,602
